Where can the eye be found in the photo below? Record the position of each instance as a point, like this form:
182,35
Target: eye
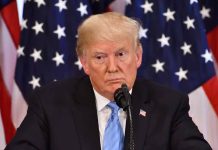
122,55
99,58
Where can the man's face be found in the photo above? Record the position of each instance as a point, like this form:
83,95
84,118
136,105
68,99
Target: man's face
109,64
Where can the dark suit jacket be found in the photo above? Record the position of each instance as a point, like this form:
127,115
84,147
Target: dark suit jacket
63,116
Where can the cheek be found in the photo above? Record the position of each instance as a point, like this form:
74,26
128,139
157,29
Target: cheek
96,70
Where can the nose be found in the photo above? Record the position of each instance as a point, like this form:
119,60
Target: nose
112,65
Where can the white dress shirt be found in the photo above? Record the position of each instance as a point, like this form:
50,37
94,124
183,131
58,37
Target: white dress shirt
104,112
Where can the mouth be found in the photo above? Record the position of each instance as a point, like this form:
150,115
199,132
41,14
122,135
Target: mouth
115,81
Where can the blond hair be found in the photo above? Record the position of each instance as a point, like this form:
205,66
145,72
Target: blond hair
110,26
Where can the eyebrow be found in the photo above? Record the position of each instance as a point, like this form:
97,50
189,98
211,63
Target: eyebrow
99,53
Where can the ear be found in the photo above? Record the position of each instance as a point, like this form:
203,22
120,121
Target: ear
84,63
139,55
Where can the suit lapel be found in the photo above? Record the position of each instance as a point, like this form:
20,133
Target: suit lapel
140,101
85,115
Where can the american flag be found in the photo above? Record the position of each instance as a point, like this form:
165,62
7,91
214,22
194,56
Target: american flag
175,48
46,52
173,37
176,54
9,39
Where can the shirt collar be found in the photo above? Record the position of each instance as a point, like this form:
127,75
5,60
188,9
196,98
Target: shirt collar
101,101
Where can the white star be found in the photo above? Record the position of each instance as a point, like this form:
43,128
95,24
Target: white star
182,74
193,1
36,55
186,48
207,56
142,33
39,2
38,27
82,9
61,5
147,7
189,23
205,12
158,66
60,31
79,65
23,24
20,51
169,14
35,82
58,59
128,2
164,40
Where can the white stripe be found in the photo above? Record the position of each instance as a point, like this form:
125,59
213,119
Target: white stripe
7,56
7,65
20,5
19,106
2,134
204,116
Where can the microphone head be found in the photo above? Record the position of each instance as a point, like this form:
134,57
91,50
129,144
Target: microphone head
120,97
124,86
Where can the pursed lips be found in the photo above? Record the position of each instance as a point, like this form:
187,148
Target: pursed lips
115,80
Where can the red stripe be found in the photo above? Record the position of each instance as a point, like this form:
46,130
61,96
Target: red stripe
212,38
211,90
10,16
5,108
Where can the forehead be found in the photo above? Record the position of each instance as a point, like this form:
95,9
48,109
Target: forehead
110,46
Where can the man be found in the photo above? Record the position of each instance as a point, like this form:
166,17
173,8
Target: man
75,114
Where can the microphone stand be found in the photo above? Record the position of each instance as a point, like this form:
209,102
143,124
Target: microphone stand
123,100
131,140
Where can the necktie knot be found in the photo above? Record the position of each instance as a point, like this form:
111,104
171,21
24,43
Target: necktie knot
114,108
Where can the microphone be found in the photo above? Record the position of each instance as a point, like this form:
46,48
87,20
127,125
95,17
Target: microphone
123,100
122,97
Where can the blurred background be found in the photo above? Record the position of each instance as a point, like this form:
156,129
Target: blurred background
180,50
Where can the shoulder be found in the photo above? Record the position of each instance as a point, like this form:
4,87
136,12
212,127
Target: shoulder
161,94
59,91
154,87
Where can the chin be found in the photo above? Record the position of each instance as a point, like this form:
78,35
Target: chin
113,88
